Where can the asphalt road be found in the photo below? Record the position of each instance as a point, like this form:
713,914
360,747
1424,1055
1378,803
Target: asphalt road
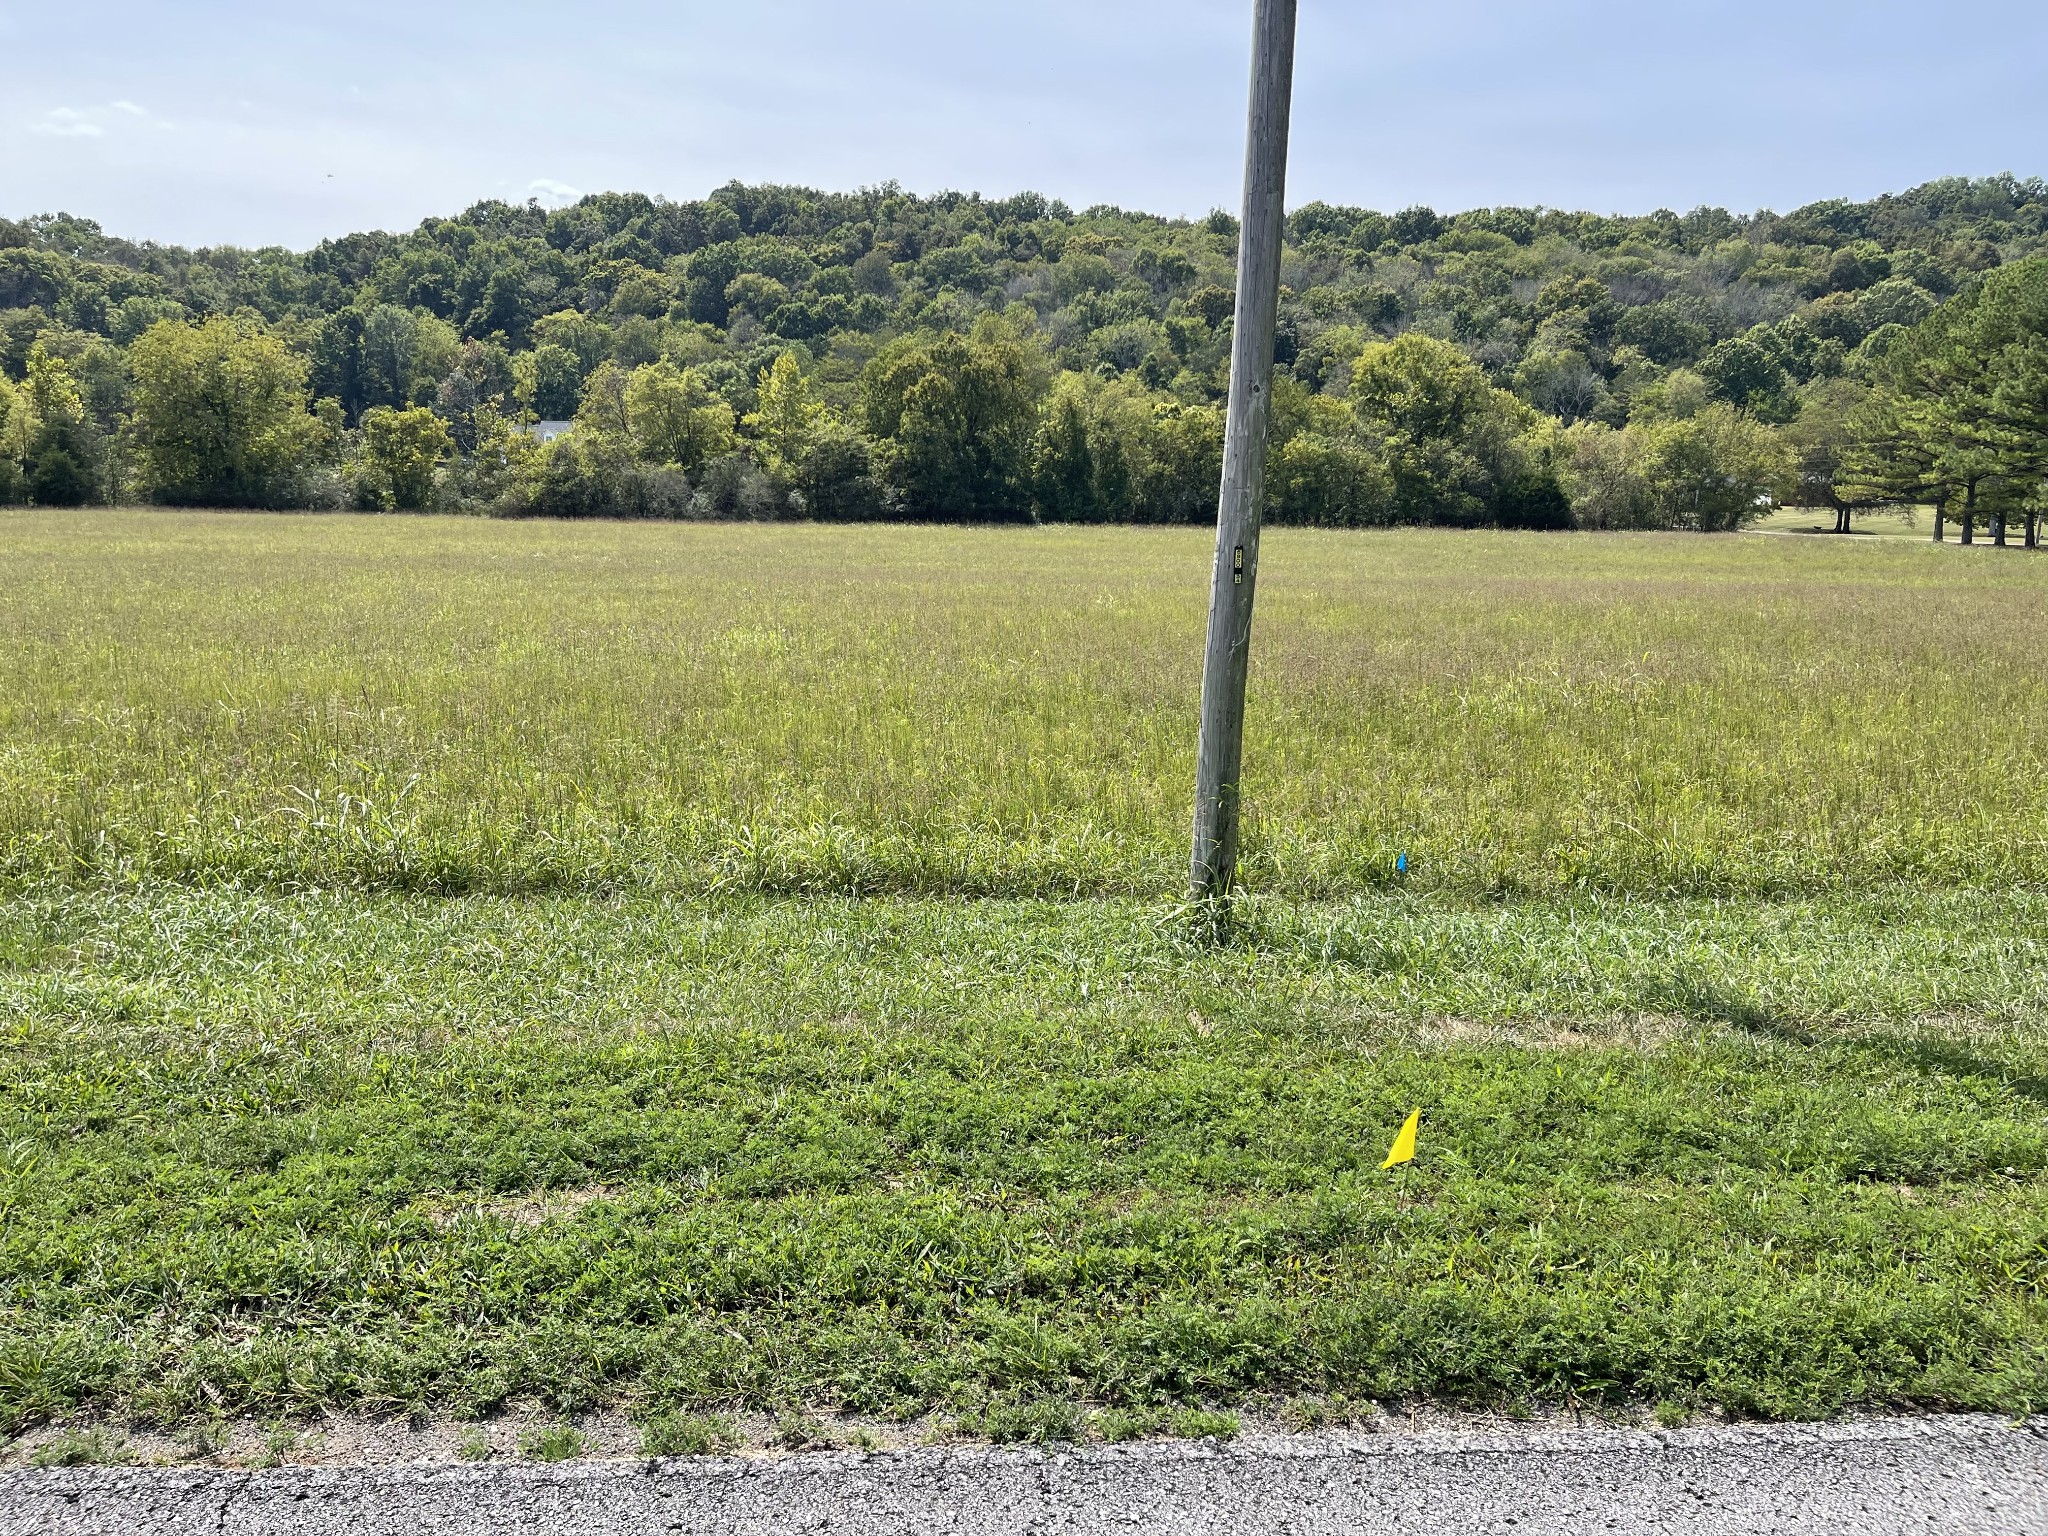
1959,1477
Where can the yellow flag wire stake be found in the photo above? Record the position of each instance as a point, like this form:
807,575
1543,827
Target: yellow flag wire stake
1404,1144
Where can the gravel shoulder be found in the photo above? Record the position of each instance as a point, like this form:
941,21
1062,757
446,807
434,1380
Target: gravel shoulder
1962,1476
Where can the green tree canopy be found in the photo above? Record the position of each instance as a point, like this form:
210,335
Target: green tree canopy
958,416
789,417
401,451
1823,441
1448,438
220,415
1712,471
673,417
897,308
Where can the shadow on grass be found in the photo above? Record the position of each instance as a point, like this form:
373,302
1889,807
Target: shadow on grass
1709,1000
1712,1001
1942,1058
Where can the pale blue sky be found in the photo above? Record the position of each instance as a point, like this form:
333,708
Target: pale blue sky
231,120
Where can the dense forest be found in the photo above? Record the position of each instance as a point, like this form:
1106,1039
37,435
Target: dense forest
777,352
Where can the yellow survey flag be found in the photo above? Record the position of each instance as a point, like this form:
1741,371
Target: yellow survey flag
1404,1144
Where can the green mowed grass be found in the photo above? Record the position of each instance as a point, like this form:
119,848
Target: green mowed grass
446,964
275,1153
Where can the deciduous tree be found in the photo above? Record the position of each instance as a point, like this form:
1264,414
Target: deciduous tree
674,418
401,451
1449,439
787,420
955,416
220,415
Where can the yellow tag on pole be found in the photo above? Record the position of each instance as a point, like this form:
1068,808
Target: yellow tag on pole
1404,1144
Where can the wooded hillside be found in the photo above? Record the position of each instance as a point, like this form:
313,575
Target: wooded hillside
775,351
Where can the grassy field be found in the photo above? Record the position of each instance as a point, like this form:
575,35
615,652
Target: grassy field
453,706
451,965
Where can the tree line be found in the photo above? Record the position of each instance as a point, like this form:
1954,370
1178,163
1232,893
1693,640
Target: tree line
776,352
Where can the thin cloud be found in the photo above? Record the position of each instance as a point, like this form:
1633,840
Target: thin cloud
552,194
94,122
67,123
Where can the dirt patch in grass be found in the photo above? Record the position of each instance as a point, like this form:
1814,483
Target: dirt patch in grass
531,1211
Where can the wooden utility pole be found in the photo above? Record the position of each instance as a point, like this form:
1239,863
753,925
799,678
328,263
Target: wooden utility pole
1217,799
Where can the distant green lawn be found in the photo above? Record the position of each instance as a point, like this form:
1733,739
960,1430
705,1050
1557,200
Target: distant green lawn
1919,525
443,964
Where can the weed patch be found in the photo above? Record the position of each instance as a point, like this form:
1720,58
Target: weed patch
687,1434
78,1448
557,1442
1200,1424
1033,1421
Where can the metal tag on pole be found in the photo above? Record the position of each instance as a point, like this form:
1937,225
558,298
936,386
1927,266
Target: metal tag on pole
1217,797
